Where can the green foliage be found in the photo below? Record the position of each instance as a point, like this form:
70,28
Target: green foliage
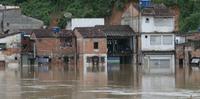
190,13
62,22
192,22
39,9
43,9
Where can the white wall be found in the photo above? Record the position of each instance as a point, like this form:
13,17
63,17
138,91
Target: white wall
180,39
157,24
148,69
12,41
86,22
146,46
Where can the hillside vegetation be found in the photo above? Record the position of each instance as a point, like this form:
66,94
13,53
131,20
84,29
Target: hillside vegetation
45,9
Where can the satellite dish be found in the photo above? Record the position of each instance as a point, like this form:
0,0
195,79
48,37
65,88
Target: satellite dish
68,15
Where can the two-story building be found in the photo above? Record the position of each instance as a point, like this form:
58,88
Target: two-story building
91,49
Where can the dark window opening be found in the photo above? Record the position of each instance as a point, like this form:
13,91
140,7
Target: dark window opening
96,45
103,59
66,42
146,36
147,20
181,63
16,58
2,46
88,59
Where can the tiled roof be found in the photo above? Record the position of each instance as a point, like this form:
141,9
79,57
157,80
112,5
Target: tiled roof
157,10
117,30
48,33
100,31
90,32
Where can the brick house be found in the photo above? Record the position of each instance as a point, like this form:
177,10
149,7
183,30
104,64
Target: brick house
91,49
187,49
54,45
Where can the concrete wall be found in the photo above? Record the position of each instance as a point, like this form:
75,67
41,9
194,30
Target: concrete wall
130,17
13,20
146,46
148,69
168,24
12,48
85,22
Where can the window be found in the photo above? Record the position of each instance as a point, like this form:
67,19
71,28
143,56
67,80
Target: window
163,21
167,40
147,20
2,46
66,42
103,59
96,45
155,40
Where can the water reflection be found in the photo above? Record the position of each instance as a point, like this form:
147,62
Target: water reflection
52,81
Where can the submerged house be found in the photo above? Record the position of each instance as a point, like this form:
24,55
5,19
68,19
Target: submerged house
120,42
10,50
187,48
91,49
52,46
157,39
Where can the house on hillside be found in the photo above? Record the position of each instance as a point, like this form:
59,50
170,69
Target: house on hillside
157,18
50,46
13,20
158,54
132,13
157,39
91,49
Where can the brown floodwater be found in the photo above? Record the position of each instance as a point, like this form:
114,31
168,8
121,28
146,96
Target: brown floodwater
119,82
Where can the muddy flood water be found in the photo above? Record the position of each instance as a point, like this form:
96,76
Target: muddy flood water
119,82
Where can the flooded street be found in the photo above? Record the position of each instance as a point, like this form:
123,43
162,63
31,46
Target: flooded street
120,82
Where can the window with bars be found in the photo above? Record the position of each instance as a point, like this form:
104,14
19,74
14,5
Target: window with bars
155,39
167,39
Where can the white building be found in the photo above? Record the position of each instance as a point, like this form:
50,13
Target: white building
158,41
158,52
84,22
10,50
157,25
